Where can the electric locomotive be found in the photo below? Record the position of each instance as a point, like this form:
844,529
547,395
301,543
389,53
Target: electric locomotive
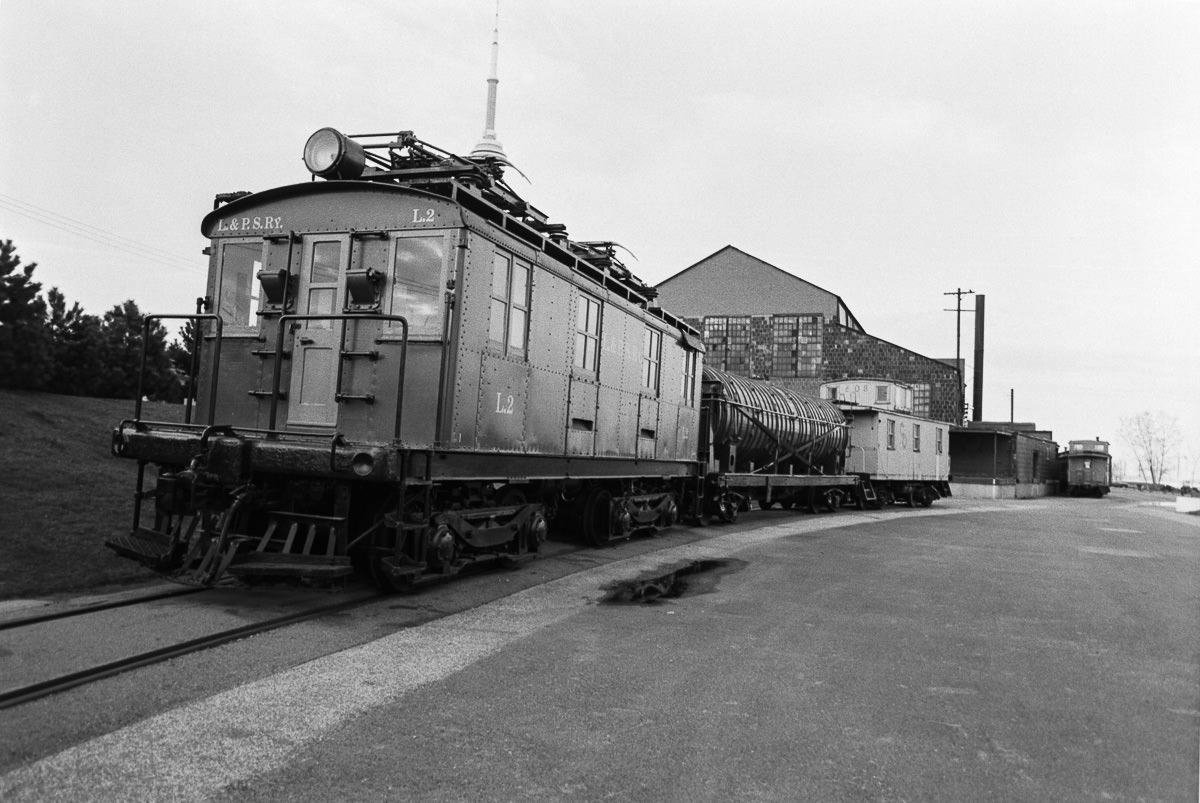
404,367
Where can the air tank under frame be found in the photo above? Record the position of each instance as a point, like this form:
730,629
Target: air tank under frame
770,425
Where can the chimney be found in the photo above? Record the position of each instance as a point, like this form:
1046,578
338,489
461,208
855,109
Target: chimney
977,394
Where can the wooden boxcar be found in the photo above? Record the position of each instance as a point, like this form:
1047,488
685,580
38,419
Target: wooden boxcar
904,457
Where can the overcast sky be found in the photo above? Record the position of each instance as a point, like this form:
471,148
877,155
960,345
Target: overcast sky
1042,154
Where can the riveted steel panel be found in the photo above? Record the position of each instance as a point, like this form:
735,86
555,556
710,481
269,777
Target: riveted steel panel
551,322
607,424
581,418
466,399
647,427
241,371
474,293
621,350
503,404
546,413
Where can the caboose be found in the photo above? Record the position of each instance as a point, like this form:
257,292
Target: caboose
1085,468
901,456
405,367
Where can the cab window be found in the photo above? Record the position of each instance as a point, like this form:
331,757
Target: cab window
238,291
417,282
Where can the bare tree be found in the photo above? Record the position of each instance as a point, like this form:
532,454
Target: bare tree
1153,437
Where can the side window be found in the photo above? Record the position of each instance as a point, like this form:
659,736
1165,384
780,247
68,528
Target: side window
938,432
587,333
891,434
238,293
508,325
916,437
651,357
690,360
417,282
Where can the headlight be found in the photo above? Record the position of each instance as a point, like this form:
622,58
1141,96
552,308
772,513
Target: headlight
331,154
363,464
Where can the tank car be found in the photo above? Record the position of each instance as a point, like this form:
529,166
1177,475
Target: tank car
766,444
1085,468
404,367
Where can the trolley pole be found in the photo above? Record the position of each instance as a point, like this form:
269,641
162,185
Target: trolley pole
958,310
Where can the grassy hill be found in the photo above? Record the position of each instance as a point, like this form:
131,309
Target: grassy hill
62,492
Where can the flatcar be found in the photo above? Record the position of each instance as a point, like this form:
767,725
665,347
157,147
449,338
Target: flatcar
902,458
404,369
1085,468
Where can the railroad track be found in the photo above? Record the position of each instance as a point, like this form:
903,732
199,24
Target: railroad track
20,695
83,610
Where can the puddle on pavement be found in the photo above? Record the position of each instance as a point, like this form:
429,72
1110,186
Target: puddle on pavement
696,577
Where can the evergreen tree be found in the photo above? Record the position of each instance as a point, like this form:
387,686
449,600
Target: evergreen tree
121,331
180,352
25,347
79,348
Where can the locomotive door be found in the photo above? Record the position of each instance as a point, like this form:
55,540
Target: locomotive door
315,344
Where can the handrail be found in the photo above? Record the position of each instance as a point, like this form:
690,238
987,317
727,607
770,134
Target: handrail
212,390
358,316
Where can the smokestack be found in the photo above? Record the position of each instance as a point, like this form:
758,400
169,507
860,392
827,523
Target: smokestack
977,395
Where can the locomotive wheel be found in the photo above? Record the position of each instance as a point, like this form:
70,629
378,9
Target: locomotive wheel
536,532
597,517
926,498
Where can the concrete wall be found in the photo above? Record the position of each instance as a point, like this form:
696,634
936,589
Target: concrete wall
971,490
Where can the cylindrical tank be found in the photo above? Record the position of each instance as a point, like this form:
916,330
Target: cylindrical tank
766,421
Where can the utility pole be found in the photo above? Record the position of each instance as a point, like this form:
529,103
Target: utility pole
958,338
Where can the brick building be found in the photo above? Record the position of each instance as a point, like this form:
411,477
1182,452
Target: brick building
760,321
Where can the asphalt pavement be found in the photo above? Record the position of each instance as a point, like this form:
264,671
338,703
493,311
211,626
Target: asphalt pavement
1038,650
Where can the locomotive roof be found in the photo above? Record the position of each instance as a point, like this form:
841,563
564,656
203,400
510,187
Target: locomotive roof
477,186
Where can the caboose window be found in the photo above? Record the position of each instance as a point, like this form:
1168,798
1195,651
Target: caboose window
508,325
916,437
238,294
417,284
891,433
587,334
938,445
651,356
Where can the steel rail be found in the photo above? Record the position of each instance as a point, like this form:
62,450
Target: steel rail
35,691
9,624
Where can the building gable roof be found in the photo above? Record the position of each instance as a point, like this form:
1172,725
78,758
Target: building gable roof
731,282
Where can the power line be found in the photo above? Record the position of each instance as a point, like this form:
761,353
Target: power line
98,235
